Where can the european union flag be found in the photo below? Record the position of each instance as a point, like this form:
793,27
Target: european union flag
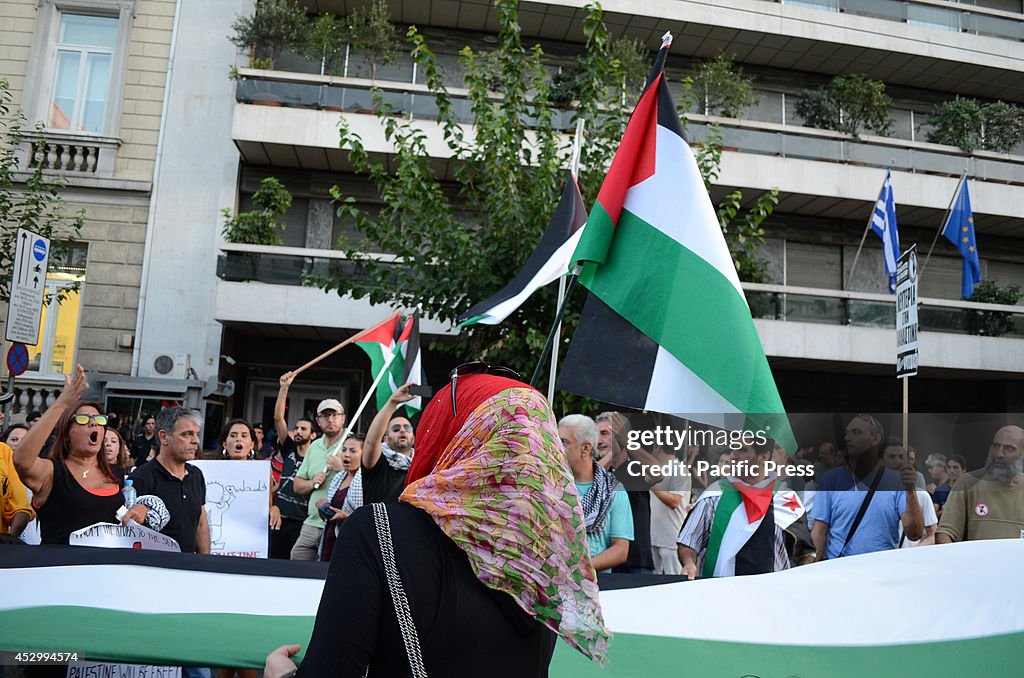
883,223
959,229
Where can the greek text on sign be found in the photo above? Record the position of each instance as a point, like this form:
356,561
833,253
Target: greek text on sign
906,314
28,285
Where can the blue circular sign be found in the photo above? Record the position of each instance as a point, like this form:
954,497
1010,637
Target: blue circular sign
17,359
39,250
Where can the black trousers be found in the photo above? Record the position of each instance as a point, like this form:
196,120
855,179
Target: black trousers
281,541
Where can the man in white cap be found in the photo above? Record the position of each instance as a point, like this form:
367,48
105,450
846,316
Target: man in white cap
314,478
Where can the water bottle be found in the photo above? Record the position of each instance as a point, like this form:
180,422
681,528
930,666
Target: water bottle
129,493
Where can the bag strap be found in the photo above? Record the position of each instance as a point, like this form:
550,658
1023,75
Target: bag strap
863,507
398,597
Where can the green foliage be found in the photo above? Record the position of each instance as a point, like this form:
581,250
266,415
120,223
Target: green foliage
458,241
968,124
993,323
274,25
324,40
29,199
848,104
372,33
956,123
721,88
628,62
259,226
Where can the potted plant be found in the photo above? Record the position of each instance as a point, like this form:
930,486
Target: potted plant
259,226
324,41
721,88
371,33
273,26
956,123
848,104
992,323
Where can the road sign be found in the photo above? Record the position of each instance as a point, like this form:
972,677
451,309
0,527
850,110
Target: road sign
17,359
28,286
906,314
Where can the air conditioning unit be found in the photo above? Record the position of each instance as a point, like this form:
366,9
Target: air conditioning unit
171,367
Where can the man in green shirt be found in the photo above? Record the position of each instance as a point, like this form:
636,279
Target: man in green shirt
314,478
988,503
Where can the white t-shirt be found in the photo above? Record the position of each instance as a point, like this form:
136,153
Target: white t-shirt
930,518
666,522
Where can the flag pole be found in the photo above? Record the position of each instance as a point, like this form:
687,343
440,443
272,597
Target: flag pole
942,224
864,237
558,320
574,170
354,337
362,406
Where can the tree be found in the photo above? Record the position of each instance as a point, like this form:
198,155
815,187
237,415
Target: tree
721,88
848,104
372,33
460,241
273,26
324,40
29,199
259,226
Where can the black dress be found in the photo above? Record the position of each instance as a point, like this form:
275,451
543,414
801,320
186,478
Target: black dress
464,627
71,507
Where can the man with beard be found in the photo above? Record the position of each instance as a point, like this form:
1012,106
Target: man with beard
314,477
290,508
989,503
387,451
606,512
860,505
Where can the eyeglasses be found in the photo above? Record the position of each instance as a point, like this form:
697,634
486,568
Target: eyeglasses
395,428
478,367
83,419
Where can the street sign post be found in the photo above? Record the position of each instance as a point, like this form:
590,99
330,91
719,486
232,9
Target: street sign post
906,314
28,287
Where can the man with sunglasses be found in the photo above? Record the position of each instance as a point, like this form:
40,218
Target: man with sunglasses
387,451
314,477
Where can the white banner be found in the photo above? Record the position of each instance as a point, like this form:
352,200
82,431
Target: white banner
130,536
237,506
102,670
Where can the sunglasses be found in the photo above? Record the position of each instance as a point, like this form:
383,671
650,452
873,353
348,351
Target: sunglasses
83,419
395,428
478,367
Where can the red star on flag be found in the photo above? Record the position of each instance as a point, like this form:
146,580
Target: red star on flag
791,502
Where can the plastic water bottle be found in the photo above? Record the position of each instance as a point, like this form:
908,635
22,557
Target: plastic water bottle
129,493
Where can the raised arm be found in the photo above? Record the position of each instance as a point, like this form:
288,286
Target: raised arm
279,406
36,473
379,425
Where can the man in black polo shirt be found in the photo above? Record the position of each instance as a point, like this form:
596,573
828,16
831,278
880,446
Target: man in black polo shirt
180,485
385,465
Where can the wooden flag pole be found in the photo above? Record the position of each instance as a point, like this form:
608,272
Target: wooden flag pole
864,237
942,225
906,415
332,351
362,406
574,170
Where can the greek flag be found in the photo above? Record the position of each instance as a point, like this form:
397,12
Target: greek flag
883,223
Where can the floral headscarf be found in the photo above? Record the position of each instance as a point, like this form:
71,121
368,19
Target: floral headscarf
501,489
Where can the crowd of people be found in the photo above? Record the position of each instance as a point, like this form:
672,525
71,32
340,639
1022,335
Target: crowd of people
476,469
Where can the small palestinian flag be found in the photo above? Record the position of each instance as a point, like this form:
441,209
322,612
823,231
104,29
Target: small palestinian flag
548,262
393,337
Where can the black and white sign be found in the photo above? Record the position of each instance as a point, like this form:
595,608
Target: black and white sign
28,285
906,314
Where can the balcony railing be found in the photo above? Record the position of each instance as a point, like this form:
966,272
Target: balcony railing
865,309
414,101
296,266
946,16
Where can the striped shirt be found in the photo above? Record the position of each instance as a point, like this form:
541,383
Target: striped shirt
697,529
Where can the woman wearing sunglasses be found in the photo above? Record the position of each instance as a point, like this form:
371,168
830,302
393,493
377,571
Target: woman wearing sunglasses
486,544
76,486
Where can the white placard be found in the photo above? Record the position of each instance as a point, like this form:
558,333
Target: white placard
130,536
28,285
104,670
906,314
237,506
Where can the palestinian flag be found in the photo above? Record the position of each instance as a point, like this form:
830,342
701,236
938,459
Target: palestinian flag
548,262
379,343
392,337
74,598
743,527
666,326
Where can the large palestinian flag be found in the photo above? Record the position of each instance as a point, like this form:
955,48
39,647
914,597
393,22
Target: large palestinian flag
547,263
844,618
392,337
666,326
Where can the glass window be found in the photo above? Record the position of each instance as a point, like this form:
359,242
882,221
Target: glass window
81,80
58,328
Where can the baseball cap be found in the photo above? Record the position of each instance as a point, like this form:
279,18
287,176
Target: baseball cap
330,404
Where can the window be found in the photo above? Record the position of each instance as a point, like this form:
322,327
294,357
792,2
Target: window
58,328
81,78
76,69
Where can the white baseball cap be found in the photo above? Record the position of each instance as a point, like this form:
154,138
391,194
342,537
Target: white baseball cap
330,404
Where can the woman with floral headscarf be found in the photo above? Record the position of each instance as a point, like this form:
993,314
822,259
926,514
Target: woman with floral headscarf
490,547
